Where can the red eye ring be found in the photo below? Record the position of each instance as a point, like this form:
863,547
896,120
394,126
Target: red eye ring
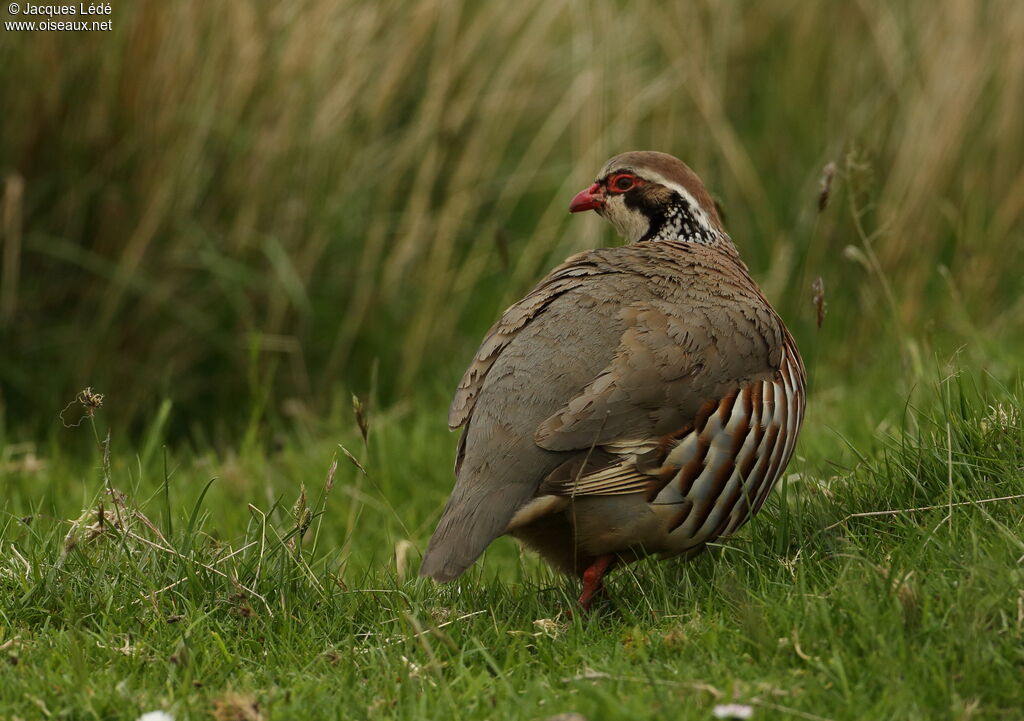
622,182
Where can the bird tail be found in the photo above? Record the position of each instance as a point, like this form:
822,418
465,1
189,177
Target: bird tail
468,525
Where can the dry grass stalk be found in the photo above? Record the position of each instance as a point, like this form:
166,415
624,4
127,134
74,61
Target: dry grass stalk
900,511
402,550
14,191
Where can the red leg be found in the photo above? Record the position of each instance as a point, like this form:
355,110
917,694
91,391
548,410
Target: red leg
592,579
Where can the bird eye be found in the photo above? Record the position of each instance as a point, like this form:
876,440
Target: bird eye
623,183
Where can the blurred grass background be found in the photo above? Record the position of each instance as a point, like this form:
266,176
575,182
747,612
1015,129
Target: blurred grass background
251,208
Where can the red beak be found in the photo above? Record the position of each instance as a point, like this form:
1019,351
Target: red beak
587,200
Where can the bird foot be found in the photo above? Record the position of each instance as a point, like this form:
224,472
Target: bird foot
593,579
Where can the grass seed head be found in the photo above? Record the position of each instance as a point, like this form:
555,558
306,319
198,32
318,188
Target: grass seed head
819,299
353,460
90,401
828,174
362,418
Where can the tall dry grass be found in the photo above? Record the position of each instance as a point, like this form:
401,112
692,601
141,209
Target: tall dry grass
245,202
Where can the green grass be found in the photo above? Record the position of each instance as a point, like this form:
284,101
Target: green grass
212,607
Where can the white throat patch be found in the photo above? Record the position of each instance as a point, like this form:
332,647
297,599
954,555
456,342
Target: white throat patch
630,223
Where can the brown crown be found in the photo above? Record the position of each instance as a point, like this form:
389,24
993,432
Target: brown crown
669,167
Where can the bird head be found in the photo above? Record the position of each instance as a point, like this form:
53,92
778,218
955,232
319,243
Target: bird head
651,196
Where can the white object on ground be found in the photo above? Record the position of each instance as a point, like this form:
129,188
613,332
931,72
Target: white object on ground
155,716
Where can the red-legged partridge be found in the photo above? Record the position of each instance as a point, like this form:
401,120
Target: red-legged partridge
641,399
